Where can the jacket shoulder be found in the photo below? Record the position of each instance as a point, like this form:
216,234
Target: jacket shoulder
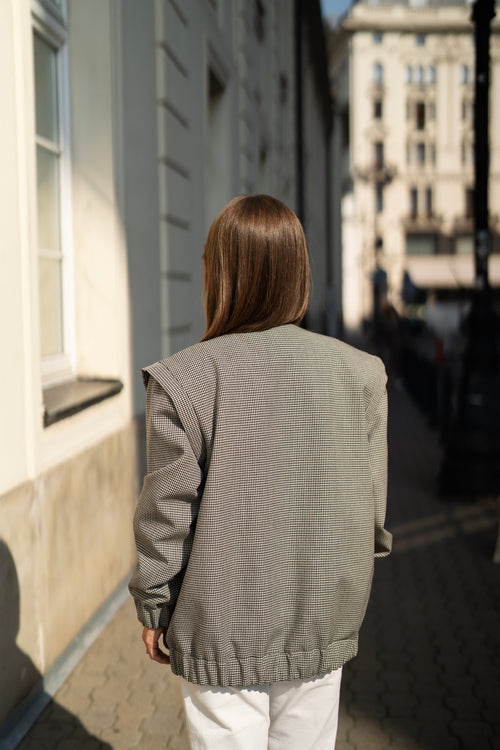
194,364
363,366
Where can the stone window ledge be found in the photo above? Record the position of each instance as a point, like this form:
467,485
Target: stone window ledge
64,400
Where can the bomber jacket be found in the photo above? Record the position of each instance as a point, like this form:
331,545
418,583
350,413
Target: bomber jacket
263,506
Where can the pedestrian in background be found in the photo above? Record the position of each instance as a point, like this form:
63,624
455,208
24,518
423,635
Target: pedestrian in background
264,502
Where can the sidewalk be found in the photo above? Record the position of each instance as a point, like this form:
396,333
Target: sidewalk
428,672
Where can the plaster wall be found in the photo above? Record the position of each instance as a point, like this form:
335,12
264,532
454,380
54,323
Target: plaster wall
16,454
67,492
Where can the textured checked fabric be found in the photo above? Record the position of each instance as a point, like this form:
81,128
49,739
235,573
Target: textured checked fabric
263,505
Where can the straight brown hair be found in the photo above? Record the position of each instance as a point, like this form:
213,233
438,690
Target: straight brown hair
255,267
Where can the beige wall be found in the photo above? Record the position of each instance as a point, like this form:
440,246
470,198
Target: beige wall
67,492
69,537
15,280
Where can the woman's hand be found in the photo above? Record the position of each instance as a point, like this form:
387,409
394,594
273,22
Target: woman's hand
151,637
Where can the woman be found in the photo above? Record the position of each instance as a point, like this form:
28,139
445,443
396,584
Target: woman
264,502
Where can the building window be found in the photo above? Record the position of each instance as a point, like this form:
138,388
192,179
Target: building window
420,153
431,74
469,203
420,40
421,244
413,203
379,154
379,197
465,152
378,73
408,74
464,244
377,109
53,196
464,74
419,75
377,37
429,208
431,110
467,110
420,115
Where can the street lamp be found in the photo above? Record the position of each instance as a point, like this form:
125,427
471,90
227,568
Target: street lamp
471,462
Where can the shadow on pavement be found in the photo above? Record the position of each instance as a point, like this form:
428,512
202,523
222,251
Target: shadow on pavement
427,674
20,683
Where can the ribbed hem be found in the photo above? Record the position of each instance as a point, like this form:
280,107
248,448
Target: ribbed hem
265,669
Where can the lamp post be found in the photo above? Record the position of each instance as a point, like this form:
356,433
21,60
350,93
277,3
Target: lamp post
471,461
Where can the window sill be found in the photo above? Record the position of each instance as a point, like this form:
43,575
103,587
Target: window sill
65,400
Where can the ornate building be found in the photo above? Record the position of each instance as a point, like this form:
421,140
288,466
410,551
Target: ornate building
403,81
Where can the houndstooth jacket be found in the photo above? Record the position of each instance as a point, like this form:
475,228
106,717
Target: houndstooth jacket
263,506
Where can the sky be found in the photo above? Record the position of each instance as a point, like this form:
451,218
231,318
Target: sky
334,7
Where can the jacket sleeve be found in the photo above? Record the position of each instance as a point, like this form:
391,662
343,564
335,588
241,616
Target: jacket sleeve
377,446
166,511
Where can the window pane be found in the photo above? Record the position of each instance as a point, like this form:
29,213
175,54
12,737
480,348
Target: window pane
45,90
413,203
465,244
49,277
420,115
379,154
420,244
378,73
428,202
47,177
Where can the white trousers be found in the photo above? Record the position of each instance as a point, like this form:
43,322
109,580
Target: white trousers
292,715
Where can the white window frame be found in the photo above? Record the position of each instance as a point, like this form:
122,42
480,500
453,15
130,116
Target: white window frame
49,21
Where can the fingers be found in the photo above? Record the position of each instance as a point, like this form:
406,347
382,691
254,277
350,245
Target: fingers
151,637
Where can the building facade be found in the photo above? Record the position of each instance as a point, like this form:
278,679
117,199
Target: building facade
127,126
403,81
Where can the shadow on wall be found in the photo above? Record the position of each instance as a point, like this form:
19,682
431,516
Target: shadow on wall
21,684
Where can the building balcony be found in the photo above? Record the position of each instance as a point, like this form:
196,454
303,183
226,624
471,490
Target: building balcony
422,223
379,173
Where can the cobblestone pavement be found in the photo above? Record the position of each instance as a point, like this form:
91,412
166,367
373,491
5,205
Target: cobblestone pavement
427,674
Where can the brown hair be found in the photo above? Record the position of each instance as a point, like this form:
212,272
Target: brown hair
256,267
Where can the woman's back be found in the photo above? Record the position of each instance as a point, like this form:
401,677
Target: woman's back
280,423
